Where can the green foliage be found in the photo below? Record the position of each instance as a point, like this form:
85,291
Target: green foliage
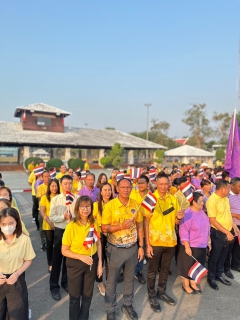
70,162
30,159
54,163
198,122
114,158
160,156
221,132
76,163
105,162
220,154
110,128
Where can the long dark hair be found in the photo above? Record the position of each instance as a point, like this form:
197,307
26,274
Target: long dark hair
11,212
48,193
100,178
100,197
79,201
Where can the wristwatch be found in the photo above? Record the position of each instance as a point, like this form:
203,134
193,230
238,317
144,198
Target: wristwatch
141,247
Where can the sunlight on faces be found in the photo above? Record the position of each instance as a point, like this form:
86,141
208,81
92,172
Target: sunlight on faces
66,185
236,188
106,191
70,172
142,185
124,188
207,187
85,209
46,177
75,177
103,179
63,169
4,194
162,184
53,188
89,181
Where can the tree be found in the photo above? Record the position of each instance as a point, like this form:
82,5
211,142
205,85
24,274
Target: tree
115,156
199,124
160,156
160,127
223,120
110,128
220,154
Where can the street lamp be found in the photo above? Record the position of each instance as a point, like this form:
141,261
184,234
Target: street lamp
147,105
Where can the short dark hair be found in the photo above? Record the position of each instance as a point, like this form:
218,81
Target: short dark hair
204,182
234,181
225,174
79,201
182,180
196,196
66,177
221,184
78,174
90,174
11,212
2,184
119,181
160,176
144,177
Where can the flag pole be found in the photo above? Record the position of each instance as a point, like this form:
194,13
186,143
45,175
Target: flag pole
234,121
91,257
194,258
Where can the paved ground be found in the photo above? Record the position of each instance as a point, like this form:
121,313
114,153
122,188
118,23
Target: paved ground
212,305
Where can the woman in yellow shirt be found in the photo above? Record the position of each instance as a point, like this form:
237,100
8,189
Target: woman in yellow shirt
16,254
105,195
48,227
84,258
76,184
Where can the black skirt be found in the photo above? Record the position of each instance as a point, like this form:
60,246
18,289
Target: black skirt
185,262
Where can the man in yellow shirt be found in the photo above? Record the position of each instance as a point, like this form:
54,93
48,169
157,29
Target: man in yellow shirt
31,181
122,221
63,171
161,239
222,231
41,191
31,166
86,165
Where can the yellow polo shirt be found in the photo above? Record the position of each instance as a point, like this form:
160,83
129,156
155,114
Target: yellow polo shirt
219,208
116,213
13,255
32,180
76,186
75,235
173,190
30,167
44,202
162,227
60,175
41,190
86,166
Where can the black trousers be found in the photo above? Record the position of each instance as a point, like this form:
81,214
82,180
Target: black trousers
233,256
80,285
104,257
58,261
35,210
49,234
14,300
162,258
218,254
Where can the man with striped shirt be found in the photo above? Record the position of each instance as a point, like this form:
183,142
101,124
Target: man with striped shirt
233,257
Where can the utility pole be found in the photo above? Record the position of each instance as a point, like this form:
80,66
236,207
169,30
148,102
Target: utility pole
147,105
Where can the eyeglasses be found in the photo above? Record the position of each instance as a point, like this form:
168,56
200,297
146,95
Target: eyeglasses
84,207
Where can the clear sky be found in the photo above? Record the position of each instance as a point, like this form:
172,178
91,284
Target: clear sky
102,60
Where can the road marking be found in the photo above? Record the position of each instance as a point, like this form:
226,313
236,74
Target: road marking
54,307
33,284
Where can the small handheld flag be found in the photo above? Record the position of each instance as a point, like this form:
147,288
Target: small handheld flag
120,175
219,175
197,271
38,171
149,203
83,175
152,174
69,198
135,173
91,238
201,172
78,169
187,191
53,173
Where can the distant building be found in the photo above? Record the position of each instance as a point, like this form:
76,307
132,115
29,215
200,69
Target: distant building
181,141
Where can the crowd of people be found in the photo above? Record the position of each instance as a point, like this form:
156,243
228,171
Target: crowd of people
88,225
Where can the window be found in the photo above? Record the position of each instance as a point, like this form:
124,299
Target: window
42,121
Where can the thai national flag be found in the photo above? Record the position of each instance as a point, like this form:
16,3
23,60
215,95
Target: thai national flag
179,172
127,176
191,172
197,272
120,175
83,175
135,173
91,238
53,173
152,174
187,191
149,203
69,198
78,169
38,171
199,190
219,175
201,172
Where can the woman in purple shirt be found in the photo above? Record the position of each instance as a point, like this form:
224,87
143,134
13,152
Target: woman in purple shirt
194,231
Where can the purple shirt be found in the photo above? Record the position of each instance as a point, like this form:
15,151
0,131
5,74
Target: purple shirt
195,228
196,182
234,200
93,194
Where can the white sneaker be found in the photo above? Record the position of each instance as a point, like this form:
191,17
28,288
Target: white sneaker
33,220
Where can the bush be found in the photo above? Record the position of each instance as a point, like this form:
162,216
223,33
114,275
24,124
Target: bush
54,163
76,163
30,159
70,162
106,162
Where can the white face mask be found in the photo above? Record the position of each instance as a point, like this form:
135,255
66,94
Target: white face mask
8,230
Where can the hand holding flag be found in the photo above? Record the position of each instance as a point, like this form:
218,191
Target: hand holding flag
197,271
149,203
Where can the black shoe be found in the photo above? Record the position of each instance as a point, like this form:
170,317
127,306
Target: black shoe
212,284
56,295
155,306
140,277
129,312
111,316
164,297
190,293
169,272
197,291
65,288
229,274
43,247
236,269
120,278
223,280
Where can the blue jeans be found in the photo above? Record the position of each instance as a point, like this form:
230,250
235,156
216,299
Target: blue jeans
139,266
